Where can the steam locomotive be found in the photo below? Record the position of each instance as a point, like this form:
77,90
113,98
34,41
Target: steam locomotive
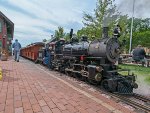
92,61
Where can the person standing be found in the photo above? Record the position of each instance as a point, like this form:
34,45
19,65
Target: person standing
139,53
17,47
47,57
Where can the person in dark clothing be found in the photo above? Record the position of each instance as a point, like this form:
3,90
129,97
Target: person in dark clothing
139,54
47,58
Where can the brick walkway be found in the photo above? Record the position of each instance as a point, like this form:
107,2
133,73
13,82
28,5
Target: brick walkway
26,88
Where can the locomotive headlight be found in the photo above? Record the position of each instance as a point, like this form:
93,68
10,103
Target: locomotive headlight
99,68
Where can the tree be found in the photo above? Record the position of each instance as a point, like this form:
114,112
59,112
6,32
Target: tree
86,31
141,32
59,33
139,24
67,37
105,14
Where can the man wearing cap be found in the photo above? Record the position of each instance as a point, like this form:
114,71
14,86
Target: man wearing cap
139,55
17,47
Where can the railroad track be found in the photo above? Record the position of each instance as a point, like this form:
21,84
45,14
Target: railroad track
137,101
128,99
141,97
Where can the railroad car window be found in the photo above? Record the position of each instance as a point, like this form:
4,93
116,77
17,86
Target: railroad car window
0,26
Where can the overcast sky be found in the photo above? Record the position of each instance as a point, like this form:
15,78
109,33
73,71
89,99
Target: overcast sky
37,19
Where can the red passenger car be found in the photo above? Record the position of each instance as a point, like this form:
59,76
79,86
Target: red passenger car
31,51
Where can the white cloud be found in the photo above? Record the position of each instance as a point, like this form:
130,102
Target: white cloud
142,7
33,18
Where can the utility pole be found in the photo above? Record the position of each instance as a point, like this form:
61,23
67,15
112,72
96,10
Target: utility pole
130,49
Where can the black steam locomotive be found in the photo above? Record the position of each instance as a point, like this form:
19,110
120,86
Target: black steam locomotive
93,61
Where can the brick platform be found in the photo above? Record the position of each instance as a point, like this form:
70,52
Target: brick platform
29,88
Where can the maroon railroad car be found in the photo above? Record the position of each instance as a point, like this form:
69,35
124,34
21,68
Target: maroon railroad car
31,51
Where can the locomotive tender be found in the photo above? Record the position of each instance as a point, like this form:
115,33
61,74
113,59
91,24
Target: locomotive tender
93,61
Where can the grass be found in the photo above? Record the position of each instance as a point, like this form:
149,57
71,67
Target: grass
147,79
139,71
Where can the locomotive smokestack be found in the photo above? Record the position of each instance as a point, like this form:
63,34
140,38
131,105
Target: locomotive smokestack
71,33
105,32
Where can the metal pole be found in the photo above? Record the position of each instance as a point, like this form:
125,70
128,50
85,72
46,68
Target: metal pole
131,28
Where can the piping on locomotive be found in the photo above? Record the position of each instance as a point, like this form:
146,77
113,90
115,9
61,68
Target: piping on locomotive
93,61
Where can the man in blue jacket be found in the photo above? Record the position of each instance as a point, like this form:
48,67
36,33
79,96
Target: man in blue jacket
17,47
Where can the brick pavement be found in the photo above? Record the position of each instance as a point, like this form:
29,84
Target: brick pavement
25,88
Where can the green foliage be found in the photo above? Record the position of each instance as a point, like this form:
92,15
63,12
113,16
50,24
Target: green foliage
59,33
147,79
67,37
87,31
140,38
139,24
141,32
139,71
105,15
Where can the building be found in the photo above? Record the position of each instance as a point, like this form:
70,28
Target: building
6,33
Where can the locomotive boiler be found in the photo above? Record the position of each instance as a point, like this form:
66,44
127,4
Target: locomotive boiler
106,47
76,48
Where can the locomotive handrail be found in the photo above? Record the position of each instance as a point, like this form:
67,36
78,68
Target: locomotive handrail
95,57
